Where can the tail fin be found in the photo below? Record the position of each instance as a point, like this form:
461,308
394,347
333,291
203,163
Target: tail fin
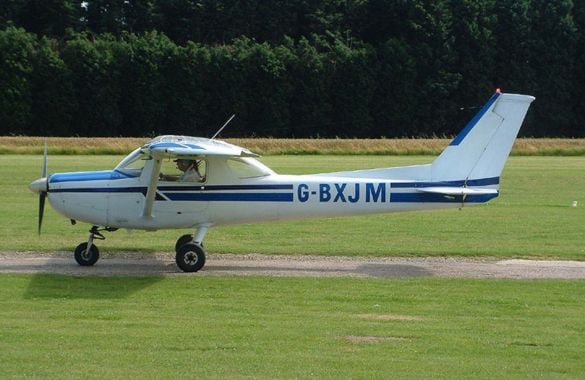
481,149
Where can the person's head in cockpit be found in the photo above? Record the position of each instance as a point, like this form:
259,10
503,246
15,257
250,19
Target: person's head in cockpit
189,169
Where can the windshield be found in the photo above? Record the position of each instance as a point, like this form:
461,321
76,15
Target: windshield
132,164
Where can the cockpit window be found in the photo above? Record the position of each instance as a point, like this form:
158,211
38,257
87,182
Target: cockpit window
133,164
184,170
247,168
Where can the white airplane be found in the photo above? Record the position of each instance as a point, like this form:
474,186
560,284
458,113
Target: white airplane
228,185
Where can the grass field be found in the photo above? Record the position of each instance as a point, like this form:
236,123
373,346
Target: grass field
532,217
188,326
211,327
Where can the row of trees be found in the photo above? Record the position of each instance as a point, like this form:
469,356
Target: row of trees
366,68
207,21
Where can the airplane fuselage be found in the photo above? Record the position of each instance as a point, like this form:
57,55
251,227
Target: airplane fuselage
114,199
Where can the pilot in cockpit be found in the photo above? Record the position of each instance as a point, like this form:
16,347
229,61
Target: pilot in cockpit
190,169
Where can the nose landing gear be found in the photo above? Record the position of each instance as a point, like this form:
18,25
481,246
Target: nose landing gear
86,257
86,253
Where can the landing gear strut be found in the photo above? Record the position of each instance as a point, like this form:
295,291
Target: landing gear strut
86,253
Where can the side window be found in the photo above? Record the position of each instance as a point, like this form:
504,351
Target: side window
184,170
244,169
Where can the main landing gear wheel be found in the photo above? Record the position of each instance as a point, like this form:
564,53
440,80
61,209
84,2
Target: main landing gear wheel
190,257
188,238
85,258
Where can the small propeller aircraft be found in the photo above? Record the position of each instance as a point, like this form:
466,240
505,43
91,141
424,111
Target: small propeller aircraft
227,185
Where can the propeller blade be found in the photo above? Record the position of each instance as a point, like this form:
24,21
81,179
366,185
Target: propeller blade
42,196
45,159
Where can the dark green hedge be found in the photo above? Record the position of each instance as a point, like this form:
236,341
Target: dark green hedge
286,68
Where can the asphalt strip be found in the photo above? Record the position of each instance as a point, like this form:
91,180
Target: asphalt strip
157,264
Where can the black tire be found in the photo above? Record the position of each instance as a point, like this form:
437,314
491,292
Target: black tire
85,258
182,241
190,257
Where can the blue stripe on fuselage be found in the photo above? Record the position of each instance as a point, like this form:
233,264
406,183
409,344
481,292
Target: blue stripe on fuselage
225,187
106,175
439,198
203,193
231,197
460,183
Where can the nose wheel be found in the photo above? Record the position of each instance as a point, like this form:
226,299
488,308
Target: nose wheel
86,257
87,254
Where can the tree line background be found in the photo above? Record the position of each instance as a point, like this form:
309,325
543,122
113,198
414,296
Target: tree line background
286,68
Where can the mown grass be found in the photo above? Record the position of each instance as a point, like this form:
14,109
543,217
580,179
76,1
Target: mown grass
269,146
233,327
209,327
533,216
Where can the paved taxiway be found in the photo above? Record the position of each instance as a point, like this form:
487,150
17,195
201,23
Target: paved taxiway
152,264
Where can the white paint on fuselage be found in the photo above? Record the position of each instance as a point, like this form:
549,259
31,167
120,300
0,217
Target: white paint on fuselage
226,199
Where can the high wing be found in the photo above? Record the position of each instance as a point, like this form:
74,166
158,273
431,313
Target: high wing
169,146
192,147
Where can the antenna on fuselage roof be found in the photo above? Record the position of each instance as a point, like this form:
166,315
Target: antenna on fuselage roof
221,129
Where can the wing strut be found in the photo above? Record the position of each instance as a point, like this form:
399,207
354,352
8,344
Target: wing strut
151,192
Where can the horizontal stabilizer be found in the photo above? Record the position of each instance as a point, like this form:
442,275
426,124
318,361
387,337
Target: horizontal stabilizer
457,191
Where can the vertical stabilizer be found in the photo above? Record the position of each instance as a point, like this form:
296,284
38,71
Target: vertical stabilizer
481,149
